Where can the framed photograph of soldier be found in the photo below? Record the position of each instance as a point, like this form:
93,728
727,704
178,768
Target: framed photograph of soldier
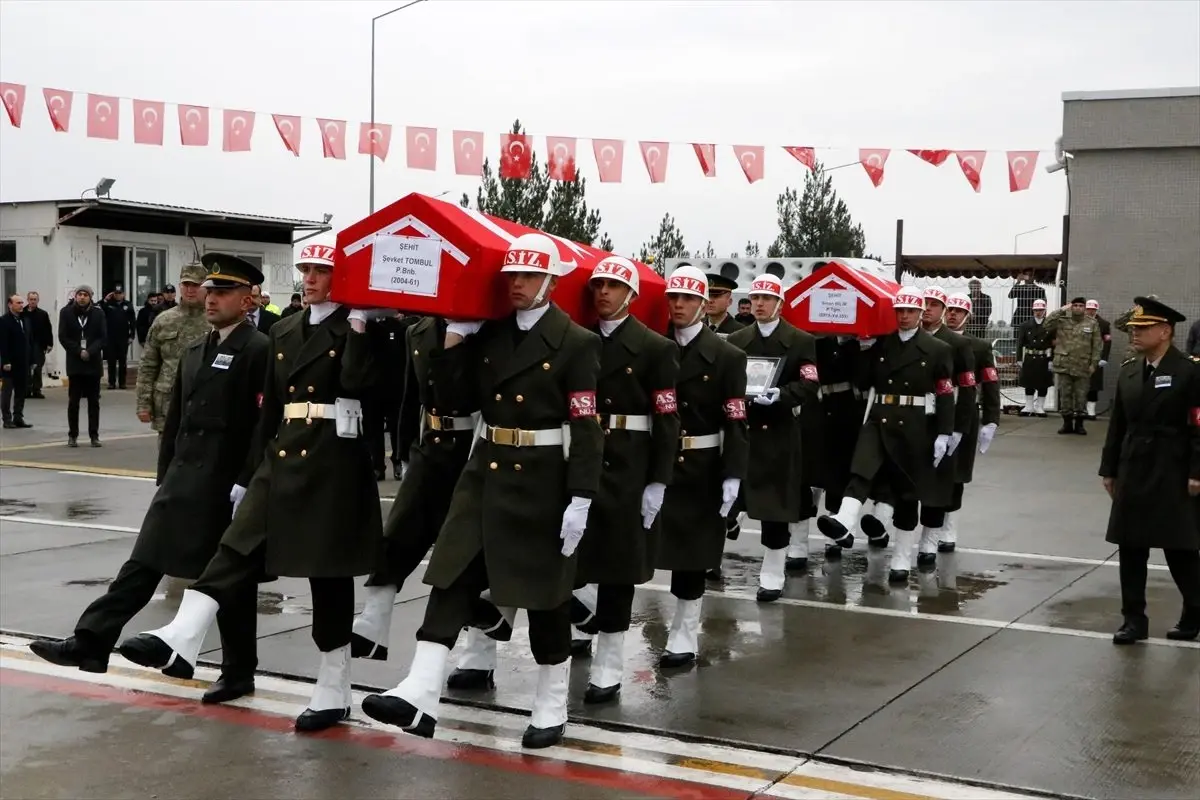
761,373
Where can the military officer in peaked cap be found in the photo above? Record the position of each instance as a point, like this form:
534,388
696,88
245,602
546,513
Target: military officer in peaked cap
523,500
1151,469
311,509
206,451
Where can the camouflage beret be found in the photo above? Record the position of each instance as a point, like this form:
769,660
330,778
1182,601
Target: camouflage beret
193,273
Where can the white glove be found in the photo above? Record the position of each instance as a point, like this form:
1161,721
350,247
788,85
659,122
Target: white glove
769,397
1103,363
940,446
574,523
986,434
652,500
865,344
729,493
464,328
235,496
358,315
955,440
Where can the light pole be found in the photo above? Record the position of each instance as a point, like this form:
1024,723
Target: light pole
1022,233
373,21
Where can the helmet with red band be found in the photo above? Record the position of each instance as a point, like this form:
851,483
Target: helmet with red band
936,293
909,297
960,301
534,253
688,280
619,269
767,285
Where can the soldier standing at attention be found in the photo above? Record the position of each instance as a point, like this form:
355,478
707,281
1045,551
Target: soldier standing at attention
522,502
1077,347
1035,345
206,450
719,320
774,489
1151,469
170,334
1096,384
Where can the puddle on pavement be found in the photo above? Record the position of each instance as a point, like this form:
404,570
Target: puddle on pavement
82,510
89,582
14,507
271,603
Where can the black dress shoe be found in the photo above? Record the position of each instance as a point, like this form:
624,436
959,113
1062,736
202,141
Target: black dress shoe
8,426
926,559
1132,631
72,441
148,650
1188,627
768,595
945,547
796,564
69,653
401,713
471,680
96,442
898,576
595,695
833,552
670,660
877,535
396,473
362,647
829,526
538,738
311,721
225,689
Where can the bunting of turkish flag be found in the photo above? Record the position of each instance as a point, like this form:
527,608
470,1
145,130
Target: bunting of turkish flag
289,130
1021,166
935,157
375,140
560,158
239,128
148,122
14,102
516,160
58,103
104,117
751,159
971,162
193,126
610,158
654,154
467,145
422,147
805,155
706,154
333,137
873,161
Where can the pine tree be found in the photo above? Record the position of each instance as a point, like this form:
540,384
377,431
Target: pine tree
606,244
667,243
816,223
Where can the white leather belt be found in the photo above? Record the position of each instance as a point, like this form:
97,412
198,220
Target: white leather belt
626,422
309,411
700,442
1044,353
455,424
515,437
899,400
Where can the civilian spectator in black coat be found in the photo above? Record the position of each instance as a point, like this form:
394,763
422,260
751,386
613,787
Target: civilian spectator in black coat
41,331
146,315
1024,291
1193,339
82,331
15,347
296,305
981,311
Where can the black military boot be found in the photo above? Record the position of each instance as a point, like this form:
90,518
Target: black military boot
1132,630
1068,425
1188,627
70,653
1079,426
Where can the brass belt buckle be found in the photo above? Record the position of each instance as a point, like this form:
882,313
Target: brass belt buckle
435,423
617,421
510,437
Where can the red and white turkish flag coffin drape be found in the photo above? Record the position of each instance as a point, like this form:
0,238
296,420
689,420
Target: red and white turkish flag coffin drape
425,256
841,300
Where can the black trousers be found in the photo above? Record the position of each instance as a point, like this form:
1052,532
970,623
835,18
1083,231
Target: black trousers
614,609
35,371
83,387
229,573
101,623
12,396
451,609
688,584
1185,570
775,535
381,419
391,425
890,485
402,552
116,365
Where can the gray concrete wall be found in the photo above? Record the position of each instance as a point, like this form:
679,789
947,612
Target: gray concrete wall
1146,122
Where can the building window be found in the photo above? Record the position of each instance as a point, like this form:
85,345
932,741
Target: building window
9,278
8,268
8,251
149,272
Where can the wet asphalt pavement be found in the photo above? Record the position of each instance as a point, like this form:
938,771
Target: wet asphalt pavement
997,667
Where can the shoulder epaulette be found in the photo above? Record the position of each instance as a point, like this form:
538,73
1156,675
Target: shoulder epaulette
1129,361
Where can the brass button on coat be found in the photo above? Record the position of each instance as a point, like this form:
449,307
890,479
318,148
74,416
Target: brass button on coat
517,467
520,398
291,389
629,370
311,390
304,454
282,453
279,356
499,398
494,465
545,365
332,353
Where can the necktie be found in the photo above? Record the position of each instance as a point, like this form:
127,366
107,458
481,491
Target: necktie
1149,371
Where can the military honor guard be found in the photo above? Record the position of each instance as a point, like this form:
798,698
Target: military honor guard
711,459
522,503
906,434
311,509
1077,348
773,490
1096,383
1150,466
1035,348
205,452
984,419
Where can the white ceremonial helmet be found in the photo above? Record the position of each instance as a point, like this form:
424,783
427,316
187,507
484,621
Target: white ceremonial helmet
1092,304
935,293
318,251
960,301
535,253
909,297
768,285
688,280
1039,305
619,269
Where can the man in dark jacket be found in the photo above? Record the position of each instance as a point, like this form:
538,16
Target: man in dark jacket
1096,382
82,332
1024,292
146,315
977,323
206,450
15,346
122,324
41,332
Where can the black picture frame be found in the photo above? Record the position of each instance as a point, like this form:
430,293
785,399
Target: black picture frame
761,374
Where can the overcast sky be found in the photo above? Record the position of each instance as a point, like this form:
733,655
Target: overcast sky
965,75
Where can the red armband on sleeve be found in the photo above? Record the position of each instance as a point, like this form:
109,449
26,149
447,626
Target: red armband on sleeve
966,379
260,395
1107,337
583,404
735,408
990,375
944,386
809,373
1195,417
665,402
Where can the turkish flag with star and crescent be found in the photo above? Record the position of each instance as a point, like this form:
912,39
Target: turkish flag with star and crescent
13,95
333,137
935,157
971,162
104,117
193,126
805,155
58,103
239,128
654,154
288,128
751,159
467,147
422,147
560,158
375,140
706,154
1021,166
873,161
610,158
148,122
516,159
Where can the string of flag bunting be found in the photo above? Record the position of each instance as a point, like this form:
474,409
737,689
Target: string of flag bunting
515,158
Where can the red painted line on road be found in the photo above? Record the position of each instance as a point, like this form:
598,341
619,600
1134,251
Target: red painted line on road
538,766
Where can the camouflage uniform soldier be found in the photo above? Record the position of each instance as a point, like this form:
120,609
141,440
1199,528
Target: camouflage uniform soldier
170,334
1077,344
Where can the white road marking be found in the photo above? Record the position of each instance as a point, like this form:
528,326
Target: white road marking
67,523
714,765
105,475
